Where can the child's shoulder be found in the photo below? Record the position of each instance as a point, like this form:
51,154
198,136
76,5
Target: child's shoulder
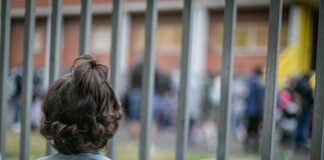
81,156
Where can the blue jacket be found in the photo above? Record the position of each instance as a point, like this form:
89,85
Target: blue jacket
255,97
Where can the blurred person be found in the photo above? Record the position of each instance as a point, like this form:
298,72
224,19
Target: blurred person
208,116
165,111
238,107
195,89
288,125
134,98
254,108
303,88
134,111
12,82
289,108
36,111
285,97
216,92
38,83
38,93
165,101
210,99
81,112
16,100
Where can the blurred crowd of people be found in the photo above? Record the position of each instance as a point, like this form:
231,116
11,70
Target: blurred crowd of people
15,87
163,103
293,117
295,103
294,106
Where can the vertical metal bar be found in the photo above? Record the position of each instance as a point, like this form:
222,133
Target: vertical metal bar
271,80
115,60
56,36
27,78
85,27
151,18
186,51
4,67
226,78
317,149
55,49
48,149
47,49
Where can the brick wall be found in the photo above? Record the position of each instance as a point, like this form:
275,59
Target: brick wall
45,3
17,43
167,59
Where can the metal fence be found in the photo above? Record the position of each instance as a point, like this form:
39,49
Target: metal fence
317,149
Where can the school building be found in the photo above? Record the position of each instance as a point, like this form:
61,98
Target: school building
251,33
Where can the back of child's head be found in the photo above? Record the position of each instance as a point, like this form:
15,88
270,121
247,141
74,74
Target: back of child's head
81,111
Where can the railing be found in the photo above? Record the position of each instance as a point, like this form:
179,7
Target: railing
317,149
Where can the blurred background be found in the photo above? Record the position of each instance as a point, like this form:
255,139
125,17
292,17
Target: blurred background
295,79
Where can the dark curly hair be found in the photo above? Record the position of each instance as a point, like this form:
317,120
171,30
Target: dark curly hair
81,110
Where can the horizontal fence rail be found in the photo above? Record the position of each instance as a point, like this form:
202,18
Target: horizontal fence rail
151,20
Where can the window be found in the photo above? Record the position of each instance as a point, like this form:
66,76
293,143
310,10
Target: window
250,37
242,34
101,35
39,38
168,36
101,39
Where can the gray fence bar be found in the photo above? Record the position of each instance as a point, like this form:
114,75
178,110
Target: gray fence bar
48,149
151,18
226,78
186,51
85,27
47,47
55,43
27,79
4,67
271,80
115,59
55,49
317,150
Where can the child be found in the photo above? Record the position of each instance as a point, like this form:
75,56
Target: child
288,124
81,112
